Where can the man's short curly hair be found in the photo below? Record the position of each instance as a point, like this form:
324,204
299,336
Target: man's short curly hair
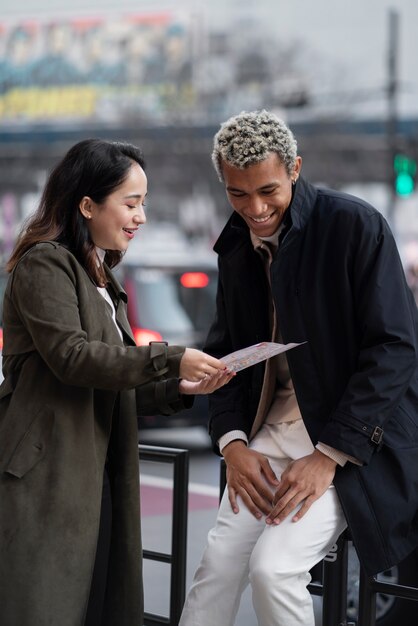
249,137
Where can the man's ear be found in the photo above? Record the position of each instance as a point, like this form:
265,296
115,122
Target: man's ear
297,168
85,207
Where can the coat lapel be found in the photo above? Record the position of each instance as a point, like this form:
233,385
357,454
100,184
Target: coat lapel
120,300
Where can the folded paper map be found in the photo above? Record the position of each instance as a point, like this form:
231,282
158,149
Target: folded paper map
246,357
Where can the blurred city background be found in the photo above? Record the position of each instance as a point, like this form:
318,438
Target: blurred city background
164,75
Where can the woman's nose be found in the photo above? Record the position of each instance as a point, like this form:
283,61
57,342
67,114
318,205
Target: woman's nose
139,217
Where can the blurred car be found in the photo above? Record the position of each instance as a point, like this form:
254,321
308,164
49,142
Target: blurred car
173,302
171,288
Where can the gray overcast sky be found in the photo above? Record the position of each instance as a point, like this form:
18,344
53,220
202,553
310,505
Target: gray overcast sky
349,36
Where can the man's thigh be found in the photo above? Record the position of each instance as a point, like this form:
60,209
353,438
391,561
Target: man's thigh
298,546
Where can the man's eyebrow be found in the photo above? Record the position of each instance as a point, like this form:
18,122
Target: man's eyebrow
234,189
274,183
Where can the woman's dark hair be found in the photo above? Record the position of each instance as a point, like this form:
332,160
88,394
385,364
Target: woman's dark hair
94,168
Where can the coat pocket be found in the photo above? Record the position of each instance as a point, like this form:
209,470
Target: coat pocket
32,446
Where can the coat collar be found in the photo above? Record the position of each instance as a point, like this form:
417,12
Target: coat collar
117,294
236,232
116,287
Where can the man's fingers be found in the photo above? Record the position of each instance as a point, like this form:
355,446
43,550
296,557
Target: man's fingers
256,497
250,504
261,500
246,476
282,489
233,499
269,475
303,509
284,506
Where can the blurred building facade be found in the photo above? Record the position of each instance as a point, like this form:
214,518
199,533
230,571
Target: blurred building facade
165,78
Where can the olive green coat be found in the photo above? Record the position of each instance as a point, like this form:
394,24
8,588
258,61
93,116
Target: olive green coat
67,402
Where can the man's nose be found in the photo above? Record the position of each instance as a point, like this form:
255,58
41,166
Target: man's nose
257,205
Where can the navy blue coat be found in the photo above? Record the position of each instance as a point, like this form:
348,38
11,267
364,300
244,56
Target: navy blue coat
339,285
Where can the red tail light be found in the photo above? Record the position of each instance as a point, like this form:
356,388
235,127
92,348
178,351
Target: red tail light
1,339
143,336
194,280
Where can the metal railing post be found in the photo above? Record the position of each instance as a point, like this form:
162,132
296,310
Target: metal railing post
367,601
179,535
177,559
369,587
334,584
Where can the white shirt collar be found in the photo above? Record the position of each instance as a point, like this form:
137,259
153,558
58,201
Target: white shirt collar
272,239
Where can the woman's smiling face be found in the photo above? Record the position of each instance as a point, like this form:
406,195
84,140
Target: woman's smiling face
113,223
261,193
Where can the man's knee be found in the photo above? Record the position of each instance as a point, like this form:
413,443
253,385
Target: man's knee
276,573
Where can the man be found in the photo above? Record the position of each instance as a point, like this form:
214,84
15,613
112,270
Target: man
327,435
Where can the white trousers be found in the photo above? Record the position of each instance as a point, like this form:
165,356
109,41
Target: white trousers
275,560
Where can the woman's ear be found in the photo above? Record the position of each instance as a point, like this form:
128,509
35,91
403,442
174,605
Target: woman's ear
85,207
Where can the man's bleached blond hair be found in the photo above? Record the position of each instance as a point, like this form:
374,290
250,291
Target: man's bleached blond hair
249,137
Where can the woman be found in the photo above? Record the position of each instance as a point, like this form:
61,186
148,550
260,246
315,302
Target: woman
69,516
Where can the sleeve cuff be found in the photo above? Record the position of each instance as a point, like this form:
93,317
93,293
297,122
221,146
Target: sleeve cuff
168,398
161,397
165,359
336,455
231,436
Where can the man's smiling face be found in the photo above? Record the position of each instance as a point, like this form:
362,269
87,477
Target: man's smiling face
261,193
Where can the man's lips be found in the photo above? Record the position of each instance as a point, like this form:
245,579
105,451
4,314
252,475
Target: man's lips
260,220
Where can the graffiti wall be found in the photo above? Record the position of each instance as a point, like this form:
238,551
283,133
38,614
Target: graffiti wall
137,65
